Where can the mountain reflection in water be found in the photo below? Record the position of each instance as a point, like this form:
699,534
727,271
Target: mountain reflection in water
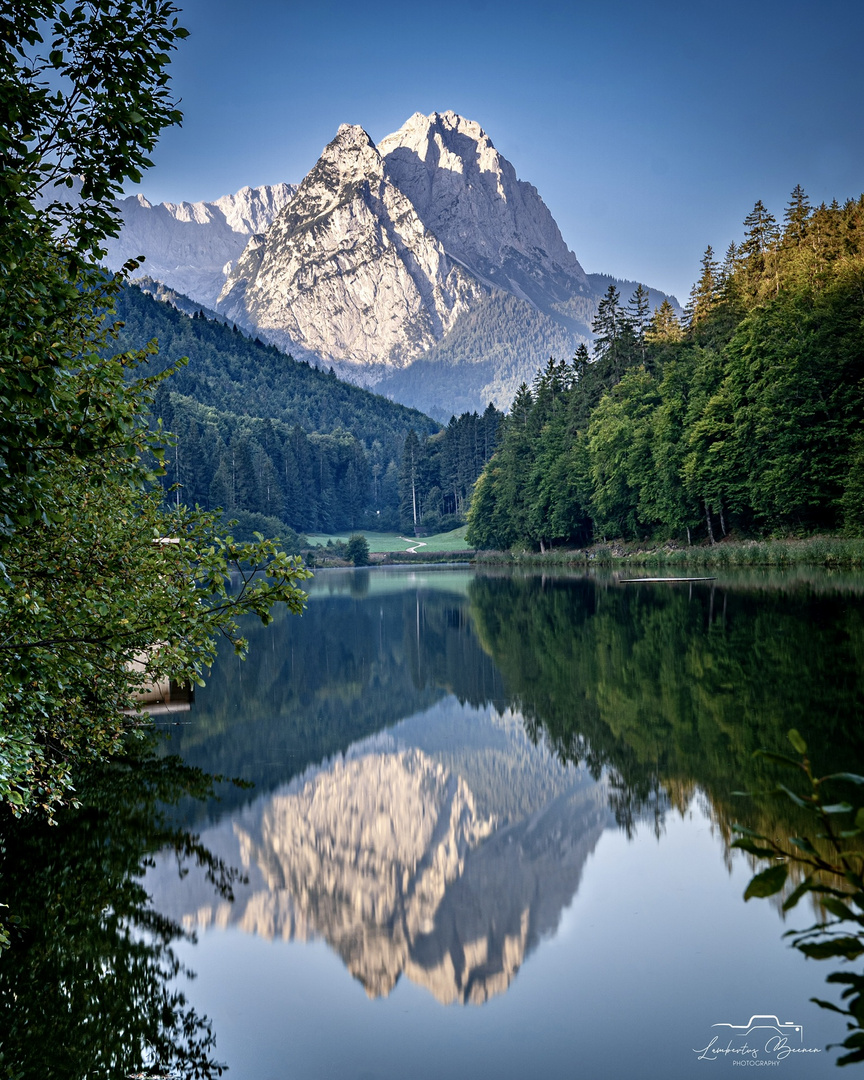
386,854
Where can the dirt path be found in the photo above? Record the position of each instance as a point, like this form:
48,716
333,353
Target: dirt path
417,544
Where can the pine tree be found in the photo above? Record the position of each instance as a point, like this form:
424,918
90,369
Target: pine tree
664,327
609,328
581,362
758,251
409,502
637,312
760,232
705,293
796,216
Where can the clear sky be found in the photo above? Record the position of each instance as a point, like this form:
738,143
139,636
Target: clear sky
649,128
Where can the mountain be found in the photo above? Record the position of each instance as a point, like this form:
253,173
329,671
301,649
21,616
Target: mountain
348,272
422,266
188,246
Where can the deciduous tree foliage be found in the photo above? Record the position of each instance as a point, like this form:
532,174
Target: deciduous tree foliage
101,590
749,418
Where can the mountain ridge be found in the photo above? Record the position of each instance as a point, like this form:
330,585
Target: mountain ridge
422,267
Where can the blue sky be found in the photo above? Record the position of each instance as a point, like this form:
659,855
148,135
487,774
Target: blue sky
649,129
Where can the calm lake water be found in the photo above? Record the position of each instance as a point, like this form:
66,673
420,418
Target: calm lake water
489,836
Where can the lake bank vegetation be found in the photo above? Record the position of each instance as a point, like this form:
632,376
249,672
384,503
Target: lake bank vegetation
828,551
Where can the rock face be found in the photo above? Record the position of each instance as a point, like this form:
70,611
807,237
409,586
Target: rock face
187,245
348,272
468,195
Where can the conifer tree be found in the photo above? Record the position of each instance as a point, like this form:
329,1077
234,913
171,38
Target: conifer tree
664,327
608,326
704,294
637,312
581,362
796,216
409,501
760,233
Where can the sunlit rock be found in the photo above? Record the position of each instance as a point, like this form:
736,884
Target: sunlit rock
191,246
348,271
468,195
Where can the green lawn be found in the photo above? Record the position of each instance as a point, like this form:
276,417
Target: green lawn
381,542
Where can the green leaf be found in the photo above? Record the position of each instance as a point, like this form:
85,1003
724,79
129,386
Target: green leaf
795,798
844,978
838,808
768,882
793,898
804,844
744,831
853,778
795,738
828,1005
837,907
752,848
780,759
850,947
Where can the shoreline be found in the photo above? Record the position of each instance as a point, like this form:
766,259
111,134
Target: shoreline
828,551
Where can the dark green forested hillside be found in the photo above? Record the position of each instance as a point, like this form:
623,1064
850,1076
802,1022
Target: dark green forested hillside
231,372
258,433
278,443
747,417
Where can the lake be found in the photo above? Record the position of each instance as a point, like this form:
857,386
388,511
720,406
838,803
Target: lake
489,834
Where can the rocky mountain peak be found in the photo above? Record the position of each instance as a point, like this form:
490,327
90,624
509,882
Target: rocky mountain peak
469,196
353,153
251,210
423,266
348,270
349,159
187,245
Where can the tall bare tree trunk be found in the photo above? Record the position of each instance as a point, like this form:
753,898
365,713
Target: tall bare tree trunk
708,521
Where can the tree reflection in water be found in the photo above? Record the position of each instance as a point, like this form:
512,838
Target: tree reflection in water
672,688
88,987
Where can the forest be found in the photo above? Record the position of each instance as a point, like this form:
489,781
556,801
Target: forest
744,418
282,446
